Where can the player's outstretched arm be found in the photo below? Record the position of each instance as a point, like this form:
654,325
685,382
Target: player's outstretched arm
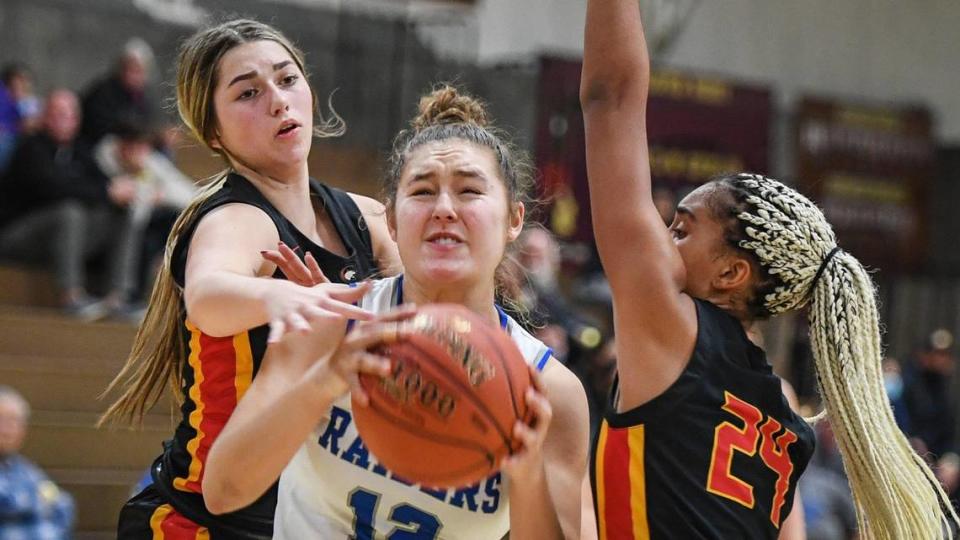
655,323
227,285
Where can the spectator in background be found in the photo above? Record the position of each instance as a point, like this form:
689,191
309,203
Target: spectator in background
123,94
18,80
928,399
56,206
9,125
597,376
947,470
828,507
893,384
555,322
162,191
31,505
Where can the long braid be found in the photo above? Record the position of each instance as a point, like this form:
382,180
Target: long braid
895,492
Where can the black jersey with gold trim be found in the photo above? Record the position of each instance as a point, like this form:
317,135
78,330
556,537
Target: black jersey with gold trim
717,455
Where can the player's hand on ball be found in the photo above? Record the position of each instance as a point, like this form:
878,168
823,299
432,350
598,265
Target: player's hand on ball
528,460
356,354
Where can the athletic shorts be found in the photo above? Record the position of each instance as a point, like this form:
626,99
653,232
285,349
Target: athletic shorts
148,516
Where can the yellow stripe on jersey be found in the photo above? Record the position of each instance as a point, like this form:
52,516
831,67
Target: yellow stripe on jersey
197,415
156,520
244,360
601,492
638,484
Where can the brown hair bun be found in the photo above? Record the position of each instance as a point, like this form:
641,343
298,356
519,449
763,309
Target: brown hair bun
446,105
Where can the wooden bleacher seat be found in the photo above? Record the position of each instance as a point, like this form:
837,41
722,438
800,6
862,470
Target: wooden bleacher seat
61,366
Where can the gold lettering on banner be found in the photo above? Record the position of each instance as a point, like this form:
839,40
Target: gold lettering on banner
674,85
694,165
873,119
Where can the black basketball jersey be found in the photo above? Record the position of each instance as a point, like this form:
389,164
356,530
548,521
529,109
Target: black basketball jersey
717,455
219,369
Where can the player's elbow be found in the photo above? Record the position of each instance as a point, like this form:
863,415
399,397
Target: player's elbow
222,495
612,92
205,311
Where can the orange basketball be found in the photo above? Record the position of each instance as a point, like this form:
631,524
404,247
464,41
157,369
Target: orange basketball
444,416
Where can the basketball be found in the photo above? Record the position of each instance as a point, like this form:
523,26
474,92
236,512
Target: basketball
444,416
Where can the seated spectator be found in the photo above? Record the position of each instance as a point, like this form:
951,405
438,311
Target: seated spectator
927,392
18,80
31,505
162,191
828,507
122,95
57,207
893,384
9,122
555,321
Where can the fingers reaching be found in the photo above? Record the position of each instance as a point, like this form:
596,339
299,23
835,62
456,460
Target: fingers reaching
315,272
277,329
401,313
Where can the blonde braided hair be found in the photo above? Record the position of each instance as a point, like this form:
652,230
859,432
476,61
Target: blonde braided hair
895,492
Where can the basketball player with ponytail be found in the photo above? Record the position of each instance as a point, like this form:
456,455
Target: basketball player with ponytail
455,192
699,441
243,93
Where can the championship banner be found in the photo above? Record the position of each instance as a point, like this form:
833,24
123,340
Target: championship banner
870,169
697,127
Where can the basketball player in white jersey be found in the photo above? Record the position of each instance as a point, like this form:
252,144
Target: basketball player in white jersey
455,191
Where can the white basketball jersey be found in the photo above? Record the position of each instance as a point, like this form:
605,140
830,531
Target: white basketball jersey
334,487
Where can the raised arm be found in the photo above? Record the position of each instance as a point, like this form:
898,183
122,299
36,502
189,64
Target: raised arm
655,323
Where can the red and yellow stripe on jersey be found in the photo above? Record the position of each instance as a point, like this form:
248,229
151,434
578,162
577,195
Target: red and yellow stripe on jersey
621,498
167,524
222,370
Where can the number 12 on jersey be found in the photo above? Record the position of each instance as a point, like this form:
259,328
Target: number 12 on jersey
773,451
411,522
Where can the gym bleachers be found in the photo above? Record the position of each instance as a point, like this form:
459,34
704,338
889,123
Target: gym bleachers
61,366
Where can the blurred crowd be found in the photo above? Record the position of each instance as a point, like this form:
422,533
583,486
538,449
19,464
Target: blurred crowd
87,184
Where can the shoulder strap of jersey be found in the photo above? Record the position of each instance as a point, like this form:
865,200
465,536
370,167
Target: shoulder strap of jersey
349,222
236,189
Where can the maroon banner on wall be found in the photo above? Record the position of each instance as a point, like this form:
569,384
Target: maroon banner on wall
870,169
697,127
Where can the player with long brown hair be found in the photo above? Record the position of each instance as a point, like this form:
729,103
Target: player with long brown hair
242,90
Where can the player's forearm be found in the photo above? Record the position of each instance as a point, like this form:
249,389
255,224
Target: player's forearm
225,303
532,512
256,445
616,65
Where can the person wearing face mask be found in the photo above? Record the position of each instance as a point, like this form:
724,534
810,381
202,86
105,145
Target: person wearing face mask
893,384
